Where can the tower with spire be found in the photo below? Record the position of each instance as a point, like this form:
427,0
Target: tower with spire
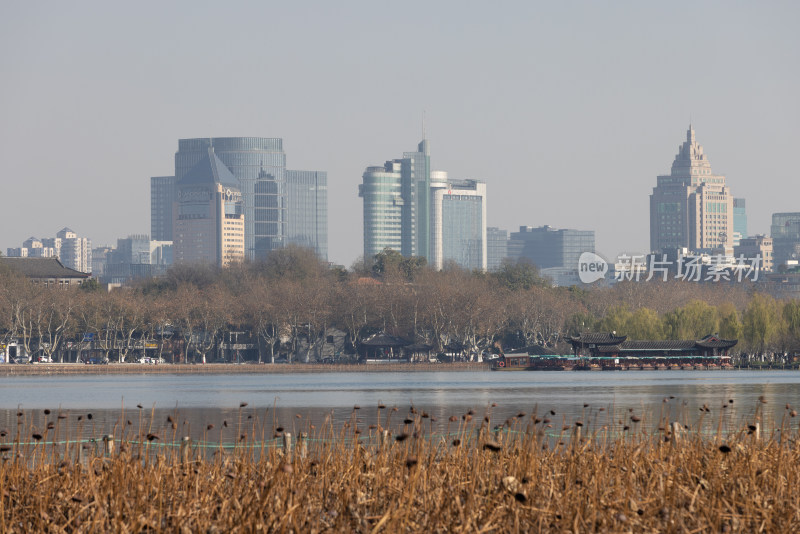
691,207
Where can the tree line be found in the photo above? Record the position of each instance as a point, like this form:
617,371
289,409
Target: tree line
286,304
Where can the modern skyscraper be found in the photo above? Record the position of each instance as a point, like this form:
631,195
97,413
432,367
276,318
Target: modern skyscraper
691,207
307,210
269,209
496,247
162,197
417,170
739,220
548,247
209,224
259,166
389,220
417,212
458,222
397,205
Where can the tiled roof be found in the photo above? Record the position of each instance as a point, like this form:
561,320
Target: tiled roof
679,345
713,342
41,268
670,344
667,345
598,338
382,339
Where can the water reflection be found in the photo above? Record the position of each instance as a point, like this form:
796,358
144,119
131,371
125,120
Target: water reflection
208,407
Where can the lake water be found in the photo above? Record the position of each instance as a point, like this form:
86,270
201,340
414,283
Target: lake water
296,401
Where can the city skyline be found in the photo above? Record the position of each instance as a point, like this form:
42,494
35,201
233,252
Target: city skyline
573,112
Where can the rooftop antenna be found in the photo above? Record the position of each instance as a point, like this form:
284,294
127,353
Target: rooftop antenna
423,124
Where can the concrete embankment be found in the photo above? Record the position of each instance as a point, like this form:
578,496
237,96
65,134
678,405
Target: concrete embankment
222,368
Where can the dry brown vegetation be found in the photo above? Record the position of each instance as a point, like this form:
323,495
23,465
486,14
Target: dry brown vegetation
521,476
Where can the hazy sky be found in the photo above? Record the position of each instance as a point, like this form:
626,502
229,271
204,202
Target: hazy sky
567,110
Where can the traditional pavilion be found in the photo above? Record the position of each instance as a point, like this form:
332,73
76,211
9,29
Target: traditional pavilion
382,347
610,345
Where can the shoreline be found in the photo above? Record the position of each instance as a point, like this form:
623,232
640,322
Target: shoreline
228,368
76,369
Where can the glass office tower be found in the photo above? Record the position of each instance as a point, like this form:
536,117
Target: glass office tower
397,205
458,222
162,195
307,210
739,220
388,210
417,171
496,247
259,165
269,214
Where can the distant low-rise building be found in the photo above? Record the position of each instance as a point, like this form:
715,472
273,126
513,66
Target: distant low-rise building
757,248
99,258
136,256
549,247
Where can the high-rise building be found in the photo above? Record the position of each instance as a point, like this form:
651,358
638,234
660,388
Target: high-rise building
548,247
496,247
785,233
691,207
307,210
457,222
269,209
209,226
397,205
72,251
388,210
417,170
417,212
739,220
258,165
162,197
